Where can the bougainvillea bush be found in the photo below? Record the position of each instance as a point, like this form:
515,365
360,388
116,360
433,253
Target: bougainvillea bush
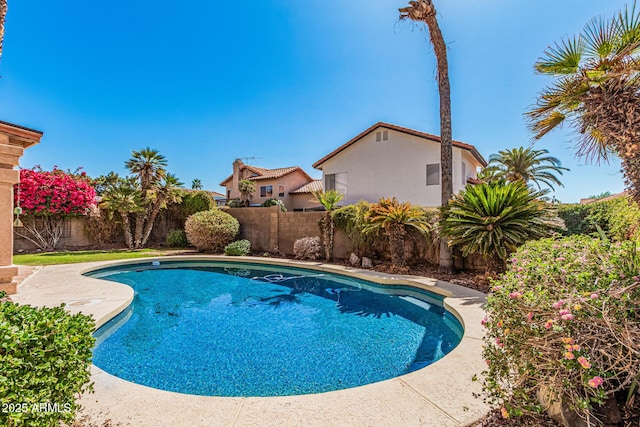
46,198
564,322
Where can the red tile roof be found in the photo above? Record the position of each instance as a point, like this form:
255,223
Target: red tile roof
262,173
309,188
408,131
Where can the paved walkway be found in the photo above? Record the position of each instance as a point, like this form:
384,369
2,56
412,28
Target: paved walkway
438,395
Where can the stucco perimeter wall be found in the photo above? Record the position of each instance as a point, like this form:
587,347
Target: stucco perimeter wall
270,230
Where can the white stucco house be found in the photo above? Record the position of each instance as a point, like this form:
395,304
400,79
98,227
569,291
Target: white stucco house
391,161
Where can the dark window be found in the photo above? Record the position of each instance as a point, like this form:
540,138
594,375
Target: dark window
280,190
228,194
433,174
378,136
266,191
330,182
385,135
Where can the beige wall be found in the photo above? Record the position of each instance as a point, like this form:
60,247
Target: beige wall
396,168
303,201
78,238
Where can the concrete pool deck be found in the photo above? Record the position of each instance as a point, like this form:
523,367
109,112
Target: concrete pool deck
441,394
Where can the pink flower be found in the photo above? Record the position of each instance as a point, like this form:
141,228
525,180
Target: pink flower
483,321
499,343
594,296
558,304
584,362
565,311
569,356
560,258
530,316
504,413
567,340
514,295
549,324
567,316
520,269
596,382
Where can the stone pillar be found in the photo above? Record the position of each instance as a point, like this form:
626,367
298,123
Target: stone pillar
13,140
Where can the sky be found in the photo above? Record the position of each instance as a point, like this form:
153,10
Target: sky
276,82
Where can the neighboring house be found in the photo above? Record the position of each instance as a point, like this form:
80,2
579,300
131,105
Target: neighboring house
270,183
604,199
219,198
391,161
303,199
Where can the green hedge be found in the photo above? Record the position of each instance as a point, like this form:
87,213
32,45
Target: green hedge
45,359
618,218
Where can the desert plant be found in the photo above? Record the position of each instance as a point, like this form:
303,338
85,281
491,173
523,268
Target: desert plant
329,200
525,164
307,248
394,217
211,231
494,219
238,248
274,202
563,324
618,218
45,357
177,239
246,188
351,219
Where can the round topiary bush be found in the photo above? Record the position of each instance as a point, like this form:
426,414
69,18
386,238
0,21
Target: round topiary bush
211,231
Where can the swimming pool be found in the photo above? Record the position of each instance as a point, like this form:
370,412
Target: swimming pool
221,328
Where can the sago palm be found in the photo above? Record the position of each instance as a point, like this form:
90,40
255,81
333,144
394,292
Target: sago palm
493,219
596,91
394,217
525,164
329,200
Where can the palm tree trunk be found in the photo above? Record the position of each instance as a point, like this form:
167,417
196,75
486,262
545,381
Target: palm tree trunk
395,233
128,238
3,14
139,227
328,236
425,11
151,220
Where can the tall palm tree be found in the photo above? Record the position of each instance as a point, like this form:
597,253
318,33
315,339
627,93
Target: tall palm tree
329,200
166,192
3,14
525,164
425,11
394,217
596,91
124,198
149,167
196,184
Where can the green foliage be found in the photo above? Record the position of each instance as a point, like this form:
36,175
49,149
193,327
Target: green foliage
211,231
238,248
55,258
196,201
45,359
328,199
618,218
235,203
274,202
351,219
177,239
246,188
494,219
564,318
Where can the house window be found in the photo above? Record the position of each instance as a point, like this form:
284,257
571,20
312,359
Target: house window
266,190
433,174
382,136
280,190
336,181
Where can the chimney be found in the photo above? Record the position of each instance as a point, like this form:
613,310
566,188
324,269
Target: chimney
235,183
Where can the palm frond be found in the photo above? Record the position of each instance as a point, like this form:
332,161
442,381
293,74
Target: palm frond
561,59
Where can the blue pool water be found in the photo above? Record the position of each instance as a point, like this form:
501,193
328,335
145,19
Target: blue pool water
225,329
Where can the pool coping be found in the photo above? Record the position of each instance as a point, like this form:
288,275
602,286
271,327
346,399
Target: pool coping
442,394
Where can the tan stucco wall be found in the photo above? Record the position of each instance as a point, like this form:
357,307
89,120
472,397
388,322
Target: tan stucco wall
395,168
303,201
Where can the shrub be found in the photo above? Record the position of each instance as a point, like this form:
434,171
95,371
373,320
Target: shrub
274,202
45,355
307,248
238,248
618,218
177,239
564,318
494,219
211,231
235,203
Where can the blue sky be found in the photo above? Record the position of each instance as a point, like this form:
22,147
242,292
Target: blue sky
287,81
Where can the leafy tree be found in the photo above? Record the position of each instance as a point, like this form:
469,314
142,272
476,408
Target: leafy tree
596,91
165,193
425,11
525,164
329,200
246,188
196,184
493,219
47,199
394,217
601,195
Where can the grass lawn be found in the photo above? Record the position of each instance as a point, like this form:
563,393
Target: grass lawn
51,258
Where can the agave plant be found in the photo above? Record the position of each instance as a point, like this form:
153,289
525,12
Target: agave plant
493,219
394,217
